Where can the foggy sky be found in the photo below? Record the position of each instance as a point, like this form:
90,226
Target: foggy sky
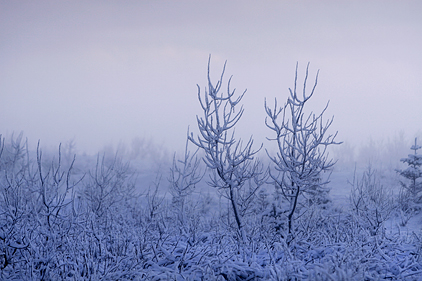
100,72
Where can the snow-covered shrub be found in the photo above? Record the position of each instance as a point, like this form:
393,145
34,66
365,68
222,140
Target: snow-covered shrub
109,185
36,224
15,206
371,202
184,176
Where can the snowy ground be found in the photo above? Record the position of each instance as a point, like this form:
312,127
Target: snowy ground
106,235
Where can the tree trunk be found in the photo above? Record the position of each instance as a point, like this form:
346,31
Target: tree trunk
237,217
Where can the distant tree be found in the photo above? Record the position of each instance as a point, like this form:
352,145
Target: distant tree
232,164
410,195
371,202
184,175
412,173
111,184
302,142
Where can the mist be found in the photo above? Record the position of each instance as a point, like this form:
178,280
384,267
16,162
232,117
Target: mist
104,73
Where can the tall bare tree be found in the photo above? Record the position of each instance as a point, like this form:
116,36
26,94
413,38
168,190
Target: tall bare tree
232,163
302,142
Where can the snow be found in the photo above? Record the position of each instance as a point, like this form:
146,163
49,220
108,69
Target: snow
141,236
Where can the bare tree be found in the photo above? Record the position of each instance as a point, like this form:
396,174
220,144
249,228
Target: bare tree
155,200
302,142
14,203
232,163
36,222
371,202
110,184
184,175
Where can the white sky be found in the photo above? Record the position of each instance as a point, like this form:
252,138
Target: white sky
101,72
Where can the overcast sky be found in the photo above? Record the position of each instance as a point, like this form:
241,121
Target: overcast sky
100,72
